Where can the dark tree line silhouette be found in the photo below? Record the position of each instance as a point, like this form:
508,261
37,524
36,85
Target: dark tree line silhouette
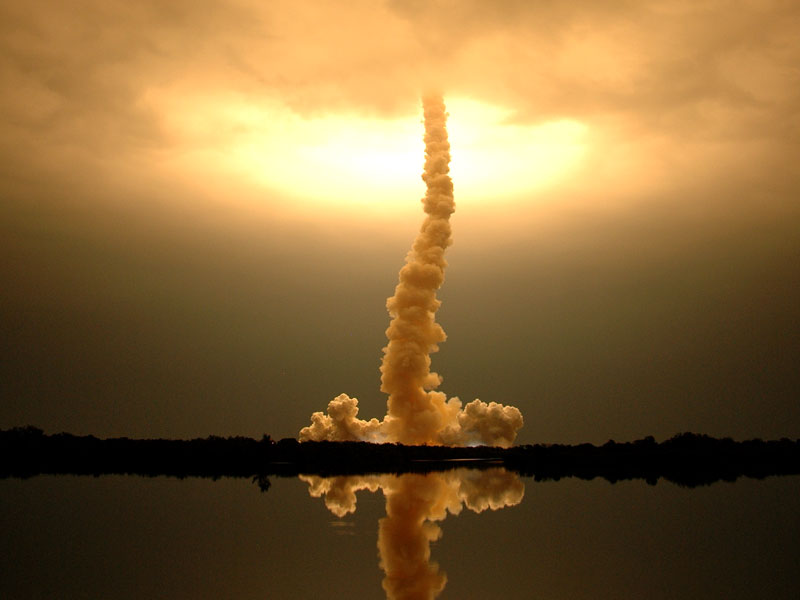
687,459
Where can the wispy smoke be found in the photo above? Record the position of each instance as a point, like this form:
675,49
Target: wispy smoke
417,413
414,505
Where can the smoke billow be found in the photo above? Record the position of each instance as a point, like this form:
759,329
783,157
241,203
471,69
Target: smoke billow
414,506
417,413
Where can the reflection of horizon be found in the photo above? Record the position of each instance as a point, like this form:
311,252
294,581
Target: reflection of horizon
414,503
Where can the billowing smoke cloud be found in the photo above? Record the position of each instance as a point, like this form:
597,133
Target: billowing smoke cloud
341,423
417,413
414,505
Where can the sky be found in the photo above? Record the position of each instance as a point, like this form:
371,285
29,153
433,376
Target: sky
204,207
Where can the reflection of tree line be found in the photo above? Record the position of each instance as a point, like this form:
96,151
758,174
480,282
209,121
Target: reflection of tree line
687,459
415,503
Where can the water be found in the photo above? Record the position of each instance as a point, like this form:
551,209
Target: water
469,534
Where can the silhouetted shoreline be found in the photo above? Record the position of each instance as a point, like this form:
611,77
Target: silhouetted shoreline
686,459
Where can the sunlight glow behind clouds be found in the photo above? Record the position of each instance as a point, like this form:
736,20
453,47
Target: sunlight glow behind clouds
342,161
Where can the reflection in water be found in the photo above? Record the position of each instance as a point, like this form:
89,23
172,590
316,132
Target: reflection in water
414,503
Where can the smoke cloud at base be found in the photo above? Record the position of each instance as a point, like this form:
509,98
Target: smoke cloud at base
417,413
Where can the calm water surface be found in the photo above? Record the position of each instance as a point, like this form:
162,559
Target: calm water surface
461,534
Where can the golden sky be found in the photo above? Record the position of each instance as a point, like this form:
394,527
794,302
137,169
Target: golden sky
203,203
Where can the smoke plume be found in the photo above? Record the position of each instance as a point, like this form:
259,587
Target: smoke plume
417,413
414,506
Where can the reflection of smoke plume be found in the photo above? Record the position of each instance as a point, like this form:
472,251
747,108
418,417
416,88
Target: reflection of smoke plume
413,505
416,413
340,492
406,533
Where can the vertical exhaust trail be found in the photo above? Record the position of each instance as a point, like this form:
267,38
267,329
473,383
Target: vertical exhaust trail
416,412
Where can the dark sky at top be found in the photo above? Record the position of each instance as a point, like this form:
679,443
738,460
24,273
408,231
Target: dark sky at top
173,266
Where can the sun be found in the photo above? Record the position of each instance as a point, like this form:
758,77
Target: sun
342,160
